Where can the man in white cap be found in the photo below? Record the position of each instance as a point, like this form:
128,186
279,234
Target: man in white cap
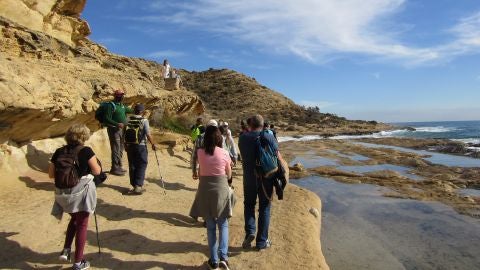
198,145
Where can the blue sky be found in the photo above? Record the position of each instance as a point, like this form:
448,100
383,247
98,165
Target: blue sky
386,60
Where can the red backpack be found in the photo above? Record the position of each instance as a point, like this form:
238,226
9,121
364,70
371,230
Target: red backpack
67,167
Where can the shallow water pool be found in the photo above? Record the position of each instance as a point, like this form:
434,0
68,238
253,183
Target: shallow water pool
361,229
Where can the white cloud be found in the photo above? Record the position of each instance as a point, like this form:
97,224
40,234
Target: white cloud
376,75
319,104
165,54
318,31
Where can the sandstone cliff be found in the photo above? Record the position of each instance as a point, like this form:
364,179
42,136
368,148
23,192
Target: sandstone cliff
49,80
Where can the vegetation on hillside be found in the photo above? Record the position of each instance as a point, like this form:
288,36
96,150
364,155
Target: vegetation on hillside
233,96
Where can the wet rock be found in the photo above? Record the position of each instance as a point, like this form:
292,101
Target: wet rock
298,167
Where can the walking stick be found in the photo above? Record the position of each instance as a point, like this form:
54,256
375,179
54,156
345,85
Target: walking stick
161,177
96,227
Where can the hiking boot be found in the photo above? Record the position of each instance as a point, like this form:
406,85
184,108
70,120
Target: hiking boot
117,172
83,265
268,244
212,265
224,264
247,242
65,255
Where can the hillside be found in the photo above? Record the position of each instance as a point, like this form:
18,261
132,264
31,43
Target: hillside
233,96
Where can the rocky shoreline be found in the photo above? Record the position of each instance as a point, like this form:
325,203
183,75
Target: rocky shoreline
405,174
435,145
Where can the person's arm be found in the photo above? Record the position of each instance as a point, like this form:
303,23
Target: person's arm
51,171
146,126
94,166
128,110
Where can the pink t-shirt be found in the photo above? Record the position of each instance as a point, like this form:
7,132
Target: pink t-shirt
215,164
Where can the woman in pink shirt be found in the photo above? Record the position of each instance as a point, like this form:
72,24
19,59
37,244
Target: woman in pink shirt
212,201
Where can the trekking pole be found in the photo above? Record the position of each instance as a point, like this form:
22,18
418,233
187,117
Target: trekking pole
96,227
161,177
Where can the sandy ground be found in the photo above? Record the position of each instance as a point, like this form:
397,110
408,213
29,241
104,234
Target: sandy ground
152,231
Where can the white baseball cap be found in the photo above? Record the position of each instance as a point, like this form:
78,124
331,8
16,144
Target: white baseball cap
225,123
212,122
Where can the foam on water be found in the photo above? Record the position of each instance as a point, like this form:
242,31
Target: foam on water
438,129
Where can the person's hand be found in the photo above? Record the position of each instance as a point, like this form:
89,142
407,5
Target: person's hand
154,147
120,125
195,176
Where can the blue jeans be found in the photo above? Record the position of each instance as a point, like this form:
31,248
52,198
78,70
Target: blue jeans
137,163
220,248
251,190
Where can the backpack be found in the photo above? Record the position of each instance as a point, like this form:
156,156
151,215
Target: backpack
67,167
267,161
134,130
101,111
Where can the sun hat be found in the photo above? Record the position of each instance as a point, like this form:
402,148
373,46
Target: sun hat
212,122
225,123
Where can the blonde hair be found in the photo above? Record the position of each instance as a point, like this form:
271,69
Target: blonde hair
77,134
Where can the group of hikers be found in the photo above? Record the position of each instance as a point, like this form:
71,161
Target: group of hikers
77,171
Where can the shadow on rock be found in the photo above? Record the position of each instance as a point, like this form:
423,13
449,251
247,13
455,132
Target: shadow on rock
124,240
118,213
170,186
14,256
31,183
106,260
37,159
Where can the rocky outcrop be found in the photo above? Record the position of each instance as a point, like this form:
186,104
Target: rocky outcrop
57,18
48,83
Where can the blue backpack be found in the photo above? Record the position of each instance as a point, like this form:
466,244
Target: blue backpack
267,161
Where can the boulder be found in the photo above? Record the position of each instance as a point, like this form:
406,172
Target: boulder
57,18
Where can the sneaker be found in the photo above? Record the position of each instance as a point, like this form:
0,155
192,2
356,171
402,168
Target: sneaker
65,255
83,265
247,242
122,170
212,265
224,264
268,244
117,172
138,190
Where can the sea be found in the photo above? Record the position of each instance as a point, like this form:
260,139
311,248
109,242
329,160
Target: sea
463,131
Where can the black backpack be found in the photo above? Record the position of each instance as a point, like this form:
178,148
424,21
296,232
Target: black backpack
101,111
134,130
67,167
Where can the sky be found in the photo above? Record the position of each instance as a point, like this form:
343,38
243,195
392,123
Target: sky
384,60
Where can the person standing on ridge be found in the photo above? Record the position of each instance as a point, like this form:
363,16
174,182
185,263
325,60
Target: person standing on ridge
255,186
166,69
137,133
115,120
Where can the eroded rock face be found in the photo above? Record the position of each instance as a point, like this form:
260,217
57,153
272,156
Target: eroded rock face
47,83
57,18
